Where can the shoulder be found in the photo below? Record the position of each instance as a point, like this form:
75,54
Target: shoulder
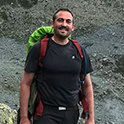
83,52
35,47
34,50
79,46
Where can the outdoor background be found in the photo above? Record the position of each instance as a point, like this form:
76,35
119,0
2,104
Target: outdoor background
99,27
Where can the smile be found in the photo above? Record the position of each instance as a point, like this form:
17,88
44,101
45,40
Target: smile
63,28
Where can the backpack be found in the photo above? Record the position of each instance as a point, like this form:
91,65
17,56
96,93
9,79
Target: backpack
35,106
83,100
40,33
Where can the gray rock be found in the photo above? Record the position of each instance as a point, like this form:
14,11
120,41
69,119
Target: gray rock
99,26
7,115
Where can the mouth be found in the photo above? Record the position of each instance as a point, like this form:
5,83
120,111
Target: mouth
63,28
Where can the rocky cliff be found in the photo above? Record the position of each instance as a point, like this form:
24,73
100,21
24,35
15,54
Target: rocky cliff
19,18
99,26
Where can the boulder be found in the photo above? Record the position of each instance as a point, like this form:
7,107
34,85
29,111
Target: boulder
7,115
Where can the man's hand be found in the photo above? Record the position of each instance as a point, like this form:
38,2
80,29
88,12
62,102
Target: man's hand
25,121
90,121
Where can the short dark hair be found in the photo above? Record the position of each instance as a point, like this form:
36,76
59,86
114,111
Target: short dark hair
62,9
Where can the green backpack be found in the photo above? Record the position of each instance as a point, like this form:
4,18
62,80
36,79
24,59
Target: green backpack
39,34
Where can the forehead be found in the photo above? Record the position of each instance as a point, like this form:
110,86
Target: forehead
64,15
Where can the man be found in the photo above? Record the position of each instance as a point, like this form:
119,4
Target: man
57,79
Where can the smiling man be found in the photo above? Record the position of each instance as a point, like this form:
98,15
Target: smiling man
57,79
63,26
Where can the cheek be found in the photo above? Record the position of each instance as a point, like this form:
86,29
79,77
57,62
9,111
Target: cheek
71,28
55,26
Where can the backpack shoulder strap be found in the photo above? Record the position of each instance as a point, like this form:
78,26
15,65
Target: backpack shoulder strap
78,47
82,54
43,48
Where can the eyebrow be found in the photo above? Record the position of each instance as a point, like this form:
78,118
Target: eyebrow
66,19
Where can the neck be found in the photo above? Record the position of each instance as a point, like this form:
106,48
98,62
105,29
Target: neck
61,41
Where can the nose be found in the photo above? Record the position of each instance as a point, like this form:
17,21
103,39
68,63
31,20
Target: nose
64,24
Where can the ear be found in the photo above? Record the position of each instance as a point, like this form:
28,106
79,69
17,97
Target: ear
52,23
73,27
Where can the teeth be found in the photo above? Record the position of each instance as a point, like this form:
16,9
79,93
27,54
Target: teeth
63,29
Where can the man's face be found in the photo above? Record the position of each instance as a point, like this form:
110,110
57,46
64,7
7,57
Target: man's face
63,24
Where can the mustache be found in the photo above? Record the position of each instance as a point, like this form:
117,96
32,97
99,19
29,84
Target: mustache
63,27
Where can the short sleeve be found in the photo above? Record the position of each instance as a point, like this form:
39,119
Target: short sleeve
32,59
89,66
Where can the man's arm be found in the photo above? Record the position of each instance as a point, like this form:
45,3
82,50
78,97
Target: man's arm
87,90
24,96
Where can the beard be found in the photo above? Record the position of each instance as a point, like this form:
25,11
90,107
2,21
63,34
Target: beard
62,32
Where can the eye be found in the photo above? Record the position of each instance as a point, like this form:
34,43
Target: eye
68,21
60,20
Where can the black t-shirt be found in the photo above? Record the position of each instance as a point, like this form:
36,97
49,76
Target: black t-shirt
57,79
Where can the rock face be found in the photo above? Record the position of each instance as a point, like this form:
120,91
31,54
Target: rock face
19,18
7,115
99,27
